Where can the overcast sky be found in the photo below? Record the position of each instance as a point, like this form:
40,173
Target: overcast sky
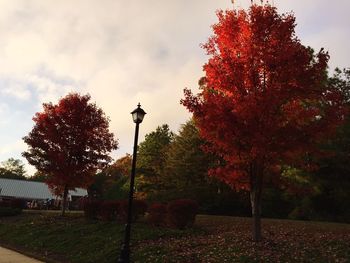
123,52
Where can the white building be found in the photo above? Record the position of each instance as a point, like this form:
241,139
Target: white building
29,190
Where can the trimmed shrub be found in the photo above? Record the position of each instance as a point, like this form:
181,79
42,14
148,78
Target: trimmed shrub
139,208
157,214
18,203
182,213
5,203
91,208
9,211
11,207
108,210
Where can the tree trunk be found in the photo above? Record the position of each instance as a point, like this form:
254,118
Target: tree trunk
256,214
65,195
256,177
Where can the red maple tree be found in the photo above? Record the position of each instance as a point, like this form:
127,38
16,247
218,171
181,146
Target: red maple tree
69,142
264,100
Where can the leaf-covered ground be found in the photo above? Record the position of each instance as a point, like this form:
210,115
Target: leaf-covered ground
214,239
228,239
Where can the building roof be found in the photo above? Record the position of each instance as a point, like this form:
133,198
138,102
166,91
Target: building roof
30,190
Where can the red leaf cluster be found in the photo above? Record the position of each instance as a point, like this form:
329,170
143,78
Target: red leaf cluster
265,98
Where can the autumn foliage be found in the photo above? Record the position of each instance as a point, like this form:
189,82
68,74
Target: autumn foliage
264,100
69,142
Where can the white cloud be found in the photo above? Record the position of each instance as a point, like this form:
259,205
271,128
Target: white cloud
47,88
18,145
17,91
23,52
3,108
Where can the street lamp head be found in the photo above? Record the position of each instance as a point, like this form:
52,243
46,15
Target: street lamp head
138,114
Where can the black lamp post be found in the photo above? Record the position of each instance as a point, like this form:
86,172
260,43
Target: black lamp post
137,116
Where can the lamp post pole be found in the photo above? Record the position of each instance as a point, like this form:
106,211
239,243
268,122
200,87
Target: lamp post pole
138,115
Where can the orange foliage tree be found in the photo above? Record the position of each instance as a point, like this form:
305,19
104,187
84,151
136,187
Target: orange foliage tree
69,142
264,100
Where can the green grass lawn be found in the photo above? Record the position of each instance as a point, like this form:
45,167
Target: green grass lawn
213,239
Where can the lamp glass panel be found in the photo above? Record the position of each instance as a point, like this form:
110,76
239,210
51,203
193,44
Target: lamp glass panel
135,116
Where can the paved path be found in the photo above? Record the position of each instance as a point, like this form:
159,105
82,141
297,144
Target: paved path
10,256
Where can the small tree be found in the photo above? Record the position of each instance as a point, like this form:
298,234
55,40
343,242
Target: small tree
69,142
264,101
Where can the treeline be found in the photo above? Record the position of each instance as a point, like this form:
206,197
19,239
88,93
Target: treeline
14,169
172,166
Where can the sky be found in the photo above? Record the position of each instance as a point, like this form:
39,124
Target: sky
123,52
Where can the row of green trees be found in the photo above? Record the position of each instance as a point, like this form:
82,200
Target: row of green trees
15,169
169,166
168,161
12,169
174,166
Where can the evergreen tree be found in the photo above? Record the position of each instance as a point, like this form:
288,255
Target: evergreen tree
187,164
151,159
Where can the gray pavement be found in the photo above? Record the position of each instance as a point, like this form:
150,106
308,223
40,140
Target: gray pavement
10,256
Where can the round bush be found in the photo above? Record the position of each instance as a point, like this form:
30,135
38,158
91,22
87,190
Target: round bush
91,208
157,214
108,210
139,208
182,213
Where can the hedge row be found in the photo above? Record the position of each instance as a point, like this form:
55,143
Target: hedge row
9,211
14,203
11,207
179,213
113,210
